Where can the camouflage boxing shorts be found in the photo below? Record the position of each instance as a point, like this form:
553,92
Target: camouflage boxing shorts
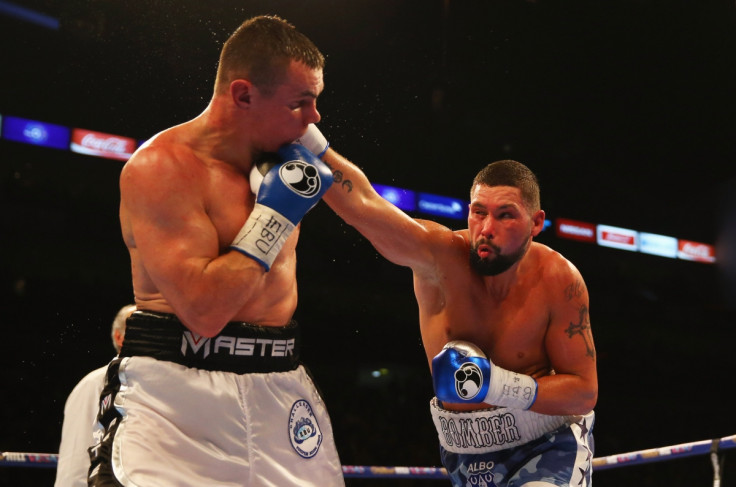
510,447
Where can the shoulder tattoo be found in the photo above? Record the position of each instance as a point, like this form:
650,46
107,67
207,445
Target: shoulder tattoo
574,290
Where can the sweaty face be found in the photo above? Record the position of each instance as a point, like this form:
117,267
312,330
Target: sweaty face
284,115
500,228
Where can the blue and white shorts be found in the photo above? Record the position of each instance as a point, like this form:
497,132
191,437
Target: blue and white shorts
500,447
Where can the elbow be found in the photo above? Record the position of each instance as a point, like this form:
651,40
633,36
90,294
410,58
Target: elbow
206,326
588,401
206,330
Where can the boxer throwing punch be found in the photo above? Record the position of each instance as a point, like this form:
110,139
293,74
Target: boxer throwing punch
208,388
505,325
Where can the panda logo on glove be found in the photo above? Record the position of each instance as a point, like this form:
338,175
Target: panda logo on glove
468,381
301,177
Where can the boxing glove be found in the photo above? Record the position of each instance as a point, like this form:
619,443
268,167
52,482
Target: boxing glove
314,141
287,192
260,169
461,373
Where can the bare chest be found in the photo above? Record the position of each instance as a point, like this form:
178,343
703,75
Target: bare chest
228,202
510,329
515,319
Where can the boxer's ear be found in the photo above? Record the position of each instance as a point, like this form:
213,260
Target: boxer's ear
537,222
240,92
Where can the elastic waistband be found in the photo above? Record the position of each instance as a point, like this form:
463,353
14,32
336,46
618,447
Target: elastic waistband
240,347
489,430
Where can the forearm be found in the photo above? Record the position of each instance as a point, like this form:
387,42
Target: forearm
351,190
208,293
398,237
394,234
351,196
563,394
462,374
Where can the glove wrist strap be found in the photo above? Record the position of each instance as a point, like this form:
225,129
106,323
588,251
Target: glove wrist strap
511,389
263,235
314,141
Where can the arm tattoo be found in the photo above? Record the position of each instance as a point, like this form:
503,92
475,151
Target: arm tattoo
582,328
574,290
337,176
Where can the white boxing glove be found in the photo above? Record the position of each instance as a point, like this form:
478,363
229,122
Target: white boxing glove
260,169
314,141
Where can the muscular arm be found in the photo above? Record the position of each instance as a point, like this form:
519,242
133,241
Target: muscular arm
573,389
165,221
398,237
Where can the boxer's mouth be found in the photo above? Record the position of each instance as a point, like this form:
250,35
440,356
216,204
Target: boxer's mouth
486,250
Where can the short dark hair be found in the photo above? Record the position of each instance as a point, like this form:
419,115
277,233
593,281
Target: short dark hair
261,50
511,173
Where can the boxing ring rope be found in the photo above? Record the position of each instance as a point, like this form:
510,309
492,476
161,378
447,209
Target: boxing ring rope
712,447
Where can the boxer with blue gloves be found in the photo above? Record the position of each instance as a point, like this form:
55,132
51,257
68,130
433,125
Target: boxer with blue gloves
287,191
462,373
514,399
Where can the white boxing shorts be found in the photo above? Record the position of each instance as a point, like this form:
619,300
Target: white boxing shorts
202,419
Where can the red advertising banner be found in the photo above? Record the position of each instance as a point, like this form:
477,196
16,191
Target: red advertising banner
102,145
617,237
575,230
700,252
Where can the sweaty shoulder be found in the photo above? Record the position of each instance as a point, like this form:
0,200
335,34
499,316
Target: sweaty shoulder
439,247
164,181
440,239
556,270
165,152
161,166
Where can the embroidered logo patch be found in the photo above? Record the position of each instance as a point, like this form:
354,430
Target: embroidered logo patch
304,432
468,381
301,177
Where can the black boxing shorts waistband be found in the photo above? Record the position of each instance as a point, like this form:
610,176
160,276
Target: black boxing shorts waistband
240,347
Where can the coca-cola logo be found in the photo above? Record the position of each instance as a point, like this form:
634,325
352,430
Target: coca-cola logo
101,144
696,251
699,250
108,144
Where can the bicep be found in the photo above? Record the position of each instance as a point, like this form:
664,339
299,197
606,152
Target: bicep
173,245
395,235
569,340
171,230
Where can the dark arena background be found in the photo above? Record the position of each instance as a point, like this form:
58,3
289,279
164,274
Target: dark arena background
626,110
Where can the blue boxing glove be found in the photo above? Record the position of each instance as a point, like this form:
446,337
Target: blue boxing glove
461,373
285,194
